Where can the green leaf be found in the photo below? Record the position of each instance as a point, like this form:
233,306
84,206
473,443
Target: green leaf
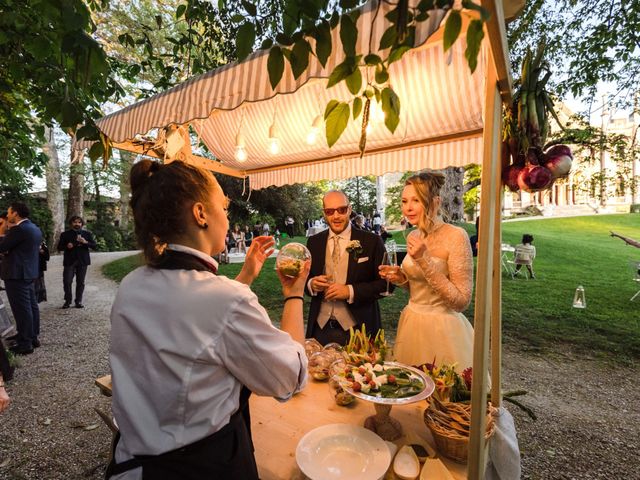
382,75
266,43
237,18
346,4
340,72
475,34
329,108
452,29
96,151
245,39
354,81
250,7
357,107
391,108
275,66
180,11
388,37
484,13
323,42
300,57
348,35
283,39
372,59
71,116
88,132
425,5
397,53
335,19
336,122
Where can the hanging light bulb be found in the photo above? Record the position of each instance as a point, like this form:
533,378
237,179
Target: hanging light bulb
274,141
312,136
241,152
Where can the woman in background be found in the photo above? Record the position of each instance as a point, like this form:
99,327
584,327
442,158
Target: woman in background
438,271
188,346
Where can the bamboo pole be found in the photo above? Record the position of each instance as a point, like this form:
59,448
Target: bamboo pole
484,282
496,297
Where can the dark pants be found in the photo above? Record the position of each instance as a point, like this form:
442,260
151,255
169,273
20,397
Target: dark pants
22,298
80,271
332,332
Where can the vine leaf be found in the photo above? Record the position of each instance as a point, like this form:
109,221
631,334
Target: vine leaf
391,108
245,39
337,119
348,35
357,107
354,81
341,71
300,57
323,42
275,66
452,29
475,34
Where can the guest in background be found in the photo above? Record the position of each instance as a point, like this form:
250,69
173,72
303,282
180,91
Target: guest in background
384,234
289,223
238,237
377,223
248,236
473,239
266,229
4,396
43,257
21,245
75,243
524,254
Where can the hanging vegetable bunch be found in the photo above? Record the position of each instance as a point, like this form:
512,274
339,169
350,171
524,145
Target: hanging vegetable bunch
526,164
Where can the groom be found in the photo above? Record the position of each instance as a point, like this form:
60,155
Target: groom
344,283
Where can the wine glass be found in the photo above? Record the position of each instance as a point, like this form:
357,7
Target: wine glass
389,258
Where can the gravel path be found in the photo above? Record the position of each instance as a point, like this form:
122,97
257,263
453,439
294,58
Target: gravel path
588,412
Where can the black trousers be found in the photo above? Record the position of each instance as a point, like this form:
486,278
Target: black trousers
332,332
68,272
22,298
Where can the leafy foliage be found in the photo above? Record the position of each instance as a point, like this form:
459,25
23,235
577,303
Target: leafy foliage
303,20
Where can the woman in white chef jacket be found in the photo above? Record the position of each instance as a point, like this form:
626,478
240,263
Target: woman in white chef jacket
187,346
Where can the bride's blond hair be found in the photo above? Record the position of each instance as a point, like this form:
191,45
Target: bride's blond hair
427,186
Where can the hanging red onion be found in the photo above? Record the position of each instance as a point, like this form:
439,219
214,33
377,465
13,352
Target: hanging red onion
559,159
534,178
510,177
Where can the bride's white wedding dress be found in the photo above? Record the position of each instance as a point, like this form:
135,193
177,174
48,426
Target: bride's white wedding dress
440,285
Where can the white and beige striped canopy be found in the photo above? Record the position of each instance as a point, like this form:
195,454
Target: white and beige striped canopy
440,124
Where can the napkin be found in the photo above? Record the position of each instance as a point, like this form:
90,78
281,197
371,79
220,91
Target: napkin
504,453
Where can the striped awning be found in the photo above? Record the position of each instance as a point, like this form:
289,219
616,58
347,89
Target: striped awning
440,124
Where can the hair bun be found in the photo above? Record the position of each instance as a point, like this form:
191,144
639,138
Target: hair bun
141,172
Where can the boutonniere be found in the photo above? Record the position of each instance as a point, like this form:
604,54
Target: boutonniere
354,248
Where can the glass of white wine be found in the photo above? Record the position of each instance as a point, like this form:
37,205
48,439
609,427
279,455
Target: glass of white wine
390,258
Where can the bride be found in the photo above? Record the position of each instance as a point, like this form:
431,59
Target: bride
438,271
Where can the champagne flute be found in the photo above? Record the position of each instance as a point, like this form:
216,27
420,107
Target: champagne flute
389,258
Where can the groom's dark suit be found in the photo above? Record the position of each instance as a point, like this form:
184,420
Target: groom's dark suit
362,274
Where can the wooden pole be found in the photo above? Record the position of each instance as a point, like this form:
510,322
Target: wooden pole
484,283
496,298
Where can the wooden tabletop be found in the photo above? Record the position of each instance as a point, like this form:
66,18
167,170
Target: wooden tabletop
278,427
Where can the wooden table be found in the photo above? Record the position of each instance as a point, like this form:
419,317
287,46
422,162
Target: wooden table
278,427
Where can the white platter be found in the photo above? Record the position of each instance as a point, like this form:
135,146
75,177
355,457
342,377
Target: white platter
342,451
429,387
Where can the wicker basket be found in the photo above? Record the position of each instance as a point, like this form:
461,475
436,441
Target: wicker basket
450,436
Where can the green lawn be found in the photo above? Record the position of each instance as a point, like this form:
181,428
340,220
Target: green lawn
570,252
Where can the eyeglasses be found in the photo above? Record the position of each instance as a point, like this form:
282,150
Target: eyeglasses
341,210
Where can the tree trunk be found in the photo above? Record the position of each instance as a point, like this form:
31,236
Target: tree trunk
98,196
75,199
55,200
124,216
451,194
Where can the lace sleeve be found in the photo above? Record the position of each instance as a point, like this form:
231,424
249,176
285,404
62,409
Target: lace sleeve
455,289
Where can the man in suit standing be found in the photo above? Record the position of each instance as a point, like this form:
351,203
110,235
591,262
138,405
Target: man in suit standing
344,283
19,270
75,243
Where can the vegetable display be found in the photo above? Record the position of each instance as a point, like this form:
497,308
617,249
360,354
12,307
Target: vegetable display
526,164
381,381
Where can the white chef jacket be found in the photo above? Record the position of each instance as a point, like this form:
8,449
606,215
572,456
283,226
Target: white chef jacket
183,342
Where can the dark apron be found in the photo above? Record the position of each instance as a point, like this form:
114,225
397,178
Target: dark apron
226,455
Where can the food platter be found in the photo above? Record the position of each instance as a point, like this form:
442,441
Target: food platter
341,451
411,373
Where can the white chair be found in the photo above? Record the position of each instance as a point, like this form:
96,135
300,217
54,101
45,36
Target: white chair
506,258
635,266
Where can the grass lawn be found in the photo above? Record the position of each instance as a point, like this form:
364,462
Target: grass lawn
570,252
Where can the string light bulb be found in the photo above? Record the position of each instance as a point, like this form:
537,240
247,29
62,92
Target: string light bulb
312,136
274,139
241,152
